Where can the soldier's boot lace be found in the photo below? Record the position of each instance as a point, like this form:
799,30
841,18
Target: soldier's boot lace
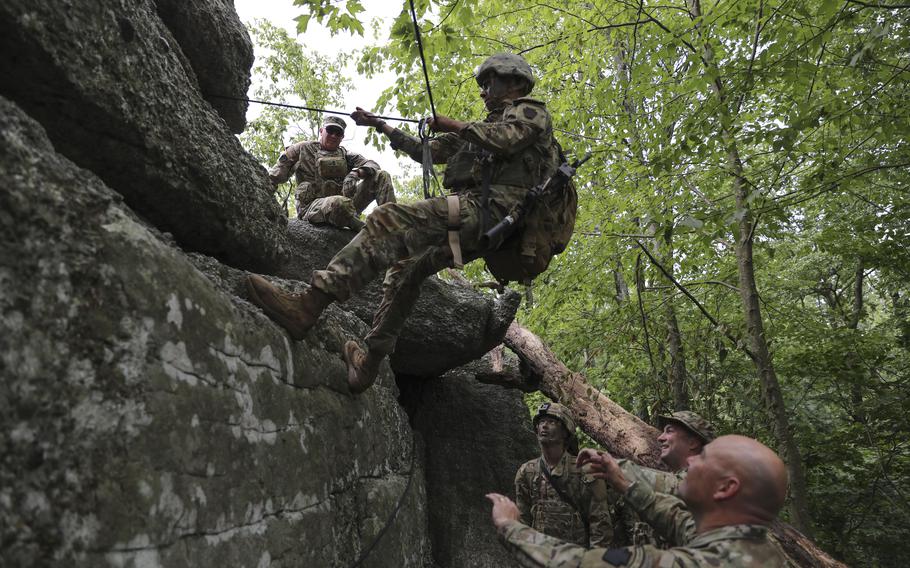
296,313
363,366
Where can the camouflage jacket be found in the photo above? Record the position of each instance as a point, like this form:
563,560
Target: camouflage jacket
659,481
302,158
517,139
630,530
543,508
733,546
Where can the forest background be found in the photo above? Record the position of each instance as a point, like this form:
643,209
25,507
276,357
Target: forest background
742,242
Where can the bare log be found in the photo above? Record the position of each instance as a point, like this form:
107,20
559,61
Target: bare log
622,434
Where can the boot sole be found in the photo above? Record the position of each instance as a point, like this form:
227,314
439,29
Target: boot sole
278,317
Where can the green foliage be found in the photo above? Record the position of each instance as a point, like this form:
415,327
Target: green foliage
815,107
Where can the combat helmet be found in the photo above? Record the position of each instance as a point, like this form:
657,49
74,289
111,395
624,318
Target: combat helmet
507,64
693,422
558,412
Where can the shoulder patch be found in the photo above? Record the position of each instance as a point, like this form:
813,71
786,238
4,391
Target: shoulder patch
529,112
617,556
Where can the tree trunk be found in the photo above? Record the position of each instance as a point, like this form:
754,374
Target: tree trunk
620,432
676,374
853,364
771,394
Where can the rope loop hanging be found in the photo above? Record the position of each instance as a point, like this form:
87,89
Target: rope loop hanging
423,130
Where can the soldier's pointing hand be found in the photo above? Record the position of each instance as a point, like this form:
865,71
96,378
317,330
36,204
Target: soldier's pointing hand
504,509
602,465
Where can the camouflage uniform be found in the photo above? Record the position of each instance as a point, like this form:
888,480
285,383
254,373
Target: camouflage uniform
544,509
411,240
735,545
327,191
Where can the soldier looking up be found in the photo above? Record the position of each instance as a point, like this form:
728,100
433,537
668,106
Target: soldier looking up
734,490
333,185
683,434
552,494
514,144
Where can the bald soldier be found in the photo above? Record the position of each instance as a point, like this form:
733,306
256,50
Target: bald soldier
733,491
334,185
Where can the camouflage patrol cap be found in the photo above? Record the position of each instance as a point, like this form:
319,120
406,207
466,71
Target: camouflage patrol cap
507,64
558,412
693,422
334,121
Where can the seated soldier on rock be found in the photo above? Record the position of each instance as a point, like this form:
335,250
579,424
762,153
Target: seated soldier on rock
734,489
333,185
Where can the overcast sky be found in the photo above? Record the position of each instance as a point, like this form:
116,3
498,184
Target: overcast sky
317,38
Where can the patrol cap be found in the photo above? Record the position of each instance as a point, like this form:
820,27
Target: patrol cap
558,412
693,422
335,122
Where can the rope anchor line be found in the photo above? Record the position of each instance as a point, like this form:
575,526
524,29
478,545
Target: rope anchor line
300,107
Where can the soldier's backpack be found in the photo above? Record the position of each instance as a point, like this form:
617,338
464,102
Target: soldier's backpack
542,234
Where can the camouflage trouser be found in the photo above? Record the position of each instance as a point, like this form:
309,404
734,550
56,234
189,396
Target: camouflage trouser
341,210
411,241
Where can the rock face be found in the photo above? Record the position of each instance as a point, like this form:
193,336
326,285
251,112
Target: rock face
487,435
149,415
148,418
198,25
117,96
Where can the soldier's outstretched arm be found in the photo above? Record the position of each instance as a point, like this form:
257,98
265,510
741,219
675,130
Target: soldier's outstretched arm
531,548
669,516
442,147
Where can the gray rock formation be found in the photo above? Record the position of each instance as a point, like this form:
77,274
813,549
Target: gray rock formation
149,415
223,72
147,418
117,96
486,434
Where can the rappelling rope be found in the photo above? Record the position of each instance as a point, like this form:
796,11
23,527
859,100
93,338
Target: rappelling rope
322,110
422,129
366,552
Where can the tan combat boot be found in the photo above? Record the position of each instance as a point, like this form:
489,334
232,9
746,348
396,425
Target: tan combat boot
296,313
362,367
